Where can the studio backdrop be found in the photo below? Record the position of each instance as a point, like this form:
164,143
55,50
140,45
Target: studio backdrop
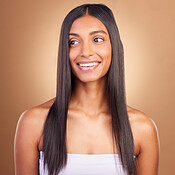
29,37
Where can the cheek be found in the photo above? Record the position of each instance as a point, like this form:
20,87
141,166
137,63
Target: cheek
106,53
72,54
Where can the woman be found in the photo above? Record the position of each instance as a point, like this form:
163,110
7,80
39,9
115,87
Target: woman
87,128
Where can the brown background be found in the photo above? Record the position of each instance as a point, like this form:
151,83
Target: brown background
29,32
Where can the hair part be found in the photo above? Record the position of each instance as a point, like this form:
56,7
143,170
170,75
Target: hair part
54,142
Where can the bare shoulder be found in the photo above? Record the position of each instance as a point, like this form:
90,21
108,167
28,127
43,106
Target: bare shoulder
36,114
144,129
27,138
139,120
31,121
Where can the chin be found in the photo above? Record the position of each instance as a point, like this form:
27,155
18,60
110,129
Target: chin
88,79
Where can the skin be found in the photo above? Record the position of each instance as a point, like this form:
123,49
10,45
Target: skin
88,111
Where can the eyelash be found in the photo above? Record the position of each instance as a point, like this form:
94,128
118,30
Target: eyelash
98,38
70,42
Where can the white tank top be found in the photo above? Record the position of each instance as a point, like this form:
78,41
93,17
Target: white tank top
88,164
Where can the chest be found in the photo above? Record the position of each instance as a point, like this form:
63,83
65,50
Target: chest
89,136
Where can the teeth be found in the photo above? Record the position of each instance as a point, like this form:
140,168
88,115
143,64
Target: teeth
89,64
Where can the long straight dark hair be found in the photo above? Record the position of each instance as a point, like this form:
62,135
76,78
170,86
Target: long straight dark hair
54,142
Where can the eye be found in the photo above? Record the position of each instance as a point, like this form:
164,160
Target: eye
73,42
98,40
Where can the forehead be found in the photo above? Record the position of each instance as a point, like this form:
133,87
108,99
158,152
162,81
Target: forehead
87,23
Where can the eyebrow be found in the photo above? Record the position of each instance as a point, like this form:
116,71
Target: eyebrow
91,33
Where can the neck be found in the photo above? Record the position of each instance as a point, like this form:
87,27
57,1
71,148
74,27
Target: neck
90,97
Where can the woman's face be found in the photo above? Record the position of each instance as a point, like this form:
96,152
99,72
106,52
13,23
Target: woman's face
89,49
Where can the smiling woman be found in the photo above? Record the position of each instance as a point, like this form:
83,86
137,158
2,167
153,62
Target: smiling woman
90,49
87,129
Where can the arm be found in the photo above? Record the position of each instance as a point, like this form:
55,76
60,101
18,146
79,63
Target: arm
148,157
26,144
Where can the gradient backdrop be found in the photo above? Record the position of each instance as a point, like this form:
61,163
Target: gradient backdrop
29,37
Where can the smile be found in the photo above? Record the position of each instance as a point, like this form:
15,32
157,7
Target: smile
88,66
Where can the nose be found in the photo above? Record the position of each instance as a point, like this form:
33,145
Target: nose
86,49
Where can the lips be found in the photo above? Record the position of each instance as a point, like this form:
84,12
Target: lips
87,62
90,65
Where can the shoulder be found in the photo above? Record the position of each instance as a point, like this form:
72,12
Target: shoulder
31,121
139,120
144,129
136,116
37,113
27,138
